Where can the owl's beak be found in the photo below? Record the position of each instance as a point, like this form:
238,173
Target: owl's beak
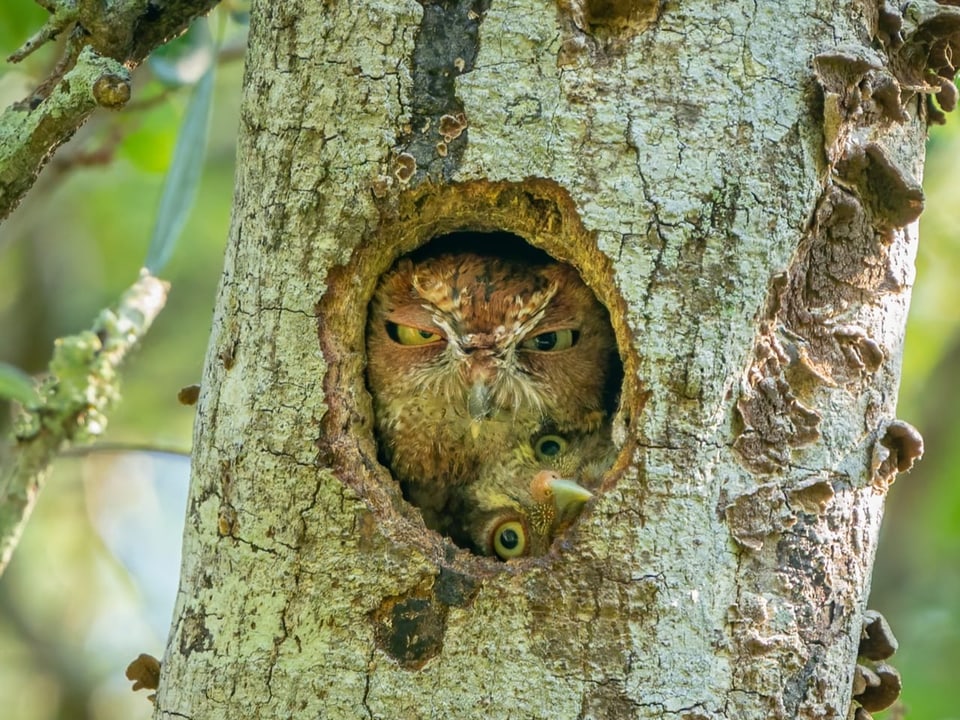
568,495
478,405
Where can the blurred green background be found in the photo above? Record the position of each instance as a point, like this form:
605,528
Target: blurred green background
93,582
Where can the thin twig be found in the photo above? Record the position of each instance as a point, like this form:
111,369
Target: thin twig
124,448
62,15
74,401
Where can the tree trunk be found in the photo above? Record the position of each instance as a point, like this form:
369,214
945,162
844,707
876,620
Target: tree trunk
739,187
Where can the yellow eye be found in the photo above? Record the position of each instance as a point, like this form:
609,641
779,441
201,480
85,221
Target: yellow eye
409,335
552,341
509,539
548,447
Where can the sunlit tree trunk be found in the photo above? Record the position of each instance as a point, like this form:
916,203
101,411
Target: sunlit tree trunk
737,182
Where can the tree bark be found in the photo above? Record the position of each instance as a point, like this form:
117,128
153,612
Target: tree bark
738,186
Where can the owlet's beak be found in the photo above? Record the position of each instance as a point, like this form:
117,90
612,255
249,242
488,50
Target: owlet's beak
568,495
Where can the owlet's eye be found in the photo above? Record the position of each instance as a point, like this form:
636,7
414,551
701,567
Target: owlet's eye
409,335
549,446
509,539
552,341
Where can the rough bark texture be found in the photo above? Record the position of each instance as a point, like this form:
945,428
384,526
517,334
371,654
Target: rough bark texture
738,183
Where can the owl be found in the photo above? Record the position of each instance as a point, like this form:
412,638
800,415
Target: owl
522,500
469,354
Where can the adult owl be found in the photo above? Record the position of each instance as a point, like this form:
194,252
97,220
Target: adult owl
469,355
523,499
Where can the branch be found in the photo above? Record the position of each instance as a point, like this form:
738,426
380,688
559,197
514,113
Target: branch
27,138
74,401
106,41
61,17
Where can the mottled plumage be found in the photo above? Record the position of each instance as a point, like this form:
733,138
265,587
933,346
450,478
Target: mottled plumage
469,356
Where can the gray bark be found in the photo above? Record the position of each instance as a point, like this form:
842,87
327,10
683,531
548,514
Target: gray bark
739,185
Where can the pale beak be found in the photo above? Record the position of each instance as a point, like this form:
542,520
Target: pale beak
478,403
568,495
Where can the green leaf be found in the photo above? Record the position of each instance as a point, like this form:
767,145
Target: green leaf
15,384
180,185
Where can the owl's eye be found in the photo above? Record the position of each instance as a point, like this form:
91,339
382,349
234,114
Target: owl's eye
509,539
552,341
409,335
549,446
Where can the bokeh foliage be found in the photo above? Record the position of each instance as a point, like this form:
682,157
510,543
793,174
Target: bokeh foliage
916,581
92,584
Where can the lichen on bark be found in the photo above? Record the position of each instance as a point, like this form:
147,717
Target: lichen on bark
690,163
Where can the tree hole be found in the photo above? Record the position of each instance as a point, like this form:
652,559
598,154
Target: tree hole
495,376
612,20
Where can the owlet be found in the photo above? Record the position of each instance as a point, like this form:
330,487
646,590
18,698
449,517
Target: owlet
469,355
523,499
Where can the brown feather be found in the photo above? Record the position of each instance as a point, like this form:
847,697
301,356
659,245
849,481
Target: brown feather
445,410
